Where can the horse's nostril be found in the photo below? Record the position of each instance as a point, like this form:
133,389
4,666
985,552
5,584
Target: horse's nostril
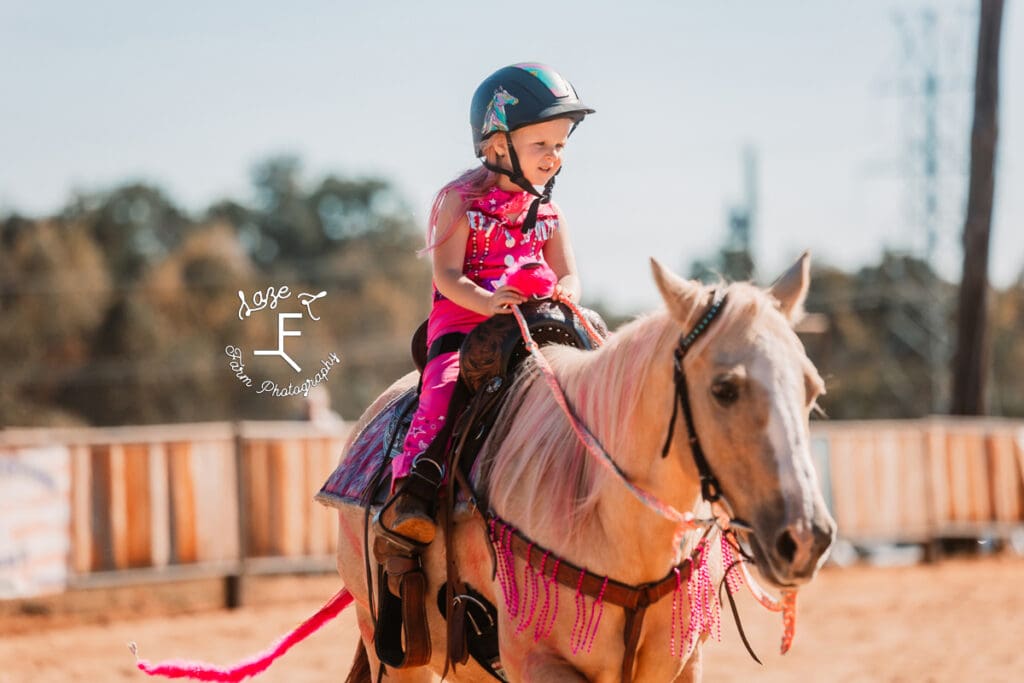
824,535
786,546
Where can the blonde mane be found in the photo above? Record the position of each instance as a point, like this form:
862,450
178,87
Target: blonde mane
534,453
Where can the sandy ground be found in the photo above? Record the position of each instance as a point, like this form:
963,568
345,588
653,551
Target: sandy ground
958,620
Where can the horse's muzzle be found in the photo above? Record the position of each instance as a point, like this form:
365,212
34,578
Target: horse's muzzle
800,548
792,555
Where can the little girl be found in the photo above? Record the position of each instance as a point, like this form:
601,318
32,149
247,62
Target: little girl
483,222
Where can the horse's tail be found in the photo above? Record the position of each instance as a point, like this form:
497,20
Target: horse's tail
259,663
360,671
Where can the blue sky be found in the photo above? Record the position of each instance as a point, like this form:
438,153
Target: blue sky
189,95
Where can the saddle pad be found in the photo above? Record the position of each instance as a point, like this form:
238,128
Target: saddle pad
350,479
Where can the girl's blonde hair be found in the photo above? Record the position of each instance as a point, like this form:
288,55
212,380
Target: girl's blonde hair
469,186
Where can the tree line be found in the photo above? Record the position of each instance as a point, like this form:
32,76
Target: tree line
118,309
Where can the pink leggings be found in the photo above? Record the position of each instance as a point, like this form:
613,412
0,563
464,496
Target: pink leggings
439,378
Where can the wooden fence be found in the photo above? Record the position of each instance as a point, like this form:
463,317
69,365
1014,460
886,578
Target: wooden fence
182,500
226,499
918,480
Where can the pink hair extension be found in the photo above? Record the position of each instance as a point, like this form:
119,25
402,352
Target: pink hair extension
470,185
207,672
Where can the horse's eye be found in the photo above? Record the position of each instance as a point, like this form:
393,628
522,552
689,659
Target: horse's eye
725,391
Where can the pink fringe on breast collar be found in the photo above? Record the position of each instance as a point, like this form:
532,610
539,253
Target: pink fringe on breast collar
201,671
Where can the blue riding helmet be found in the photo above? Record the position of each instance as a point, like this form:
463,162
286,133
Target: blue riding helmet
520,95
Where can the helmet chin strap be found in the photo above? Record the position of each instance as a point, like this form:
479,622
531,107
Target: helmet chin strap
517,177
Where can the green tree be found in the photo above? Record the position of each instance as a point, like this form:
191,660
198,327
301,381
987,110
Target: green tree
54,290
873,353
135,226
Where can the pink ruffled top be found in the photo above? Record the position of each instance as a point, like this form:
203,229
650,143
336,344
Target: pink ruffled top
495,243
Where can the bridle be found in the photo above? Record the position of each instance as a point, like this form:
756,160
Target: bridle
710,489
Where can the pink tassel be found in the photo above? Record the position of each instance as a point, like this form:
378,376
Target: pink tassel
207,672
598,609
704,609
544,624
505,566
734,578
677,625
578,628
512,597
530,593
584,630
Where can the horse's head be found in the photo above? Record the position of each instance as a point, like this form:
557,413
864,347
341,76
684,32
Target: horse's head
752,387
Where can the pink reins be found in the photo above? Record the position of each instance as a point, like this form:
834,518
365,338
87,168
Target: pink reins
200,671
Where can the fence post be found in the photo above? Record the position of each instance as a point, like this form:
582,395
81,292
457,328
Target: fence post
233,582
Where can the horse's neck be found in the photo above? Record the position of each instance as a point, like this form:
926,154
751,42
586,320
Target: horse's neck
642,538
624,396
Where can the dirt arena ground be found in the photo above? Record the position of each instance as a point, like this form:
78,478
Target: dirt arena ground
959,620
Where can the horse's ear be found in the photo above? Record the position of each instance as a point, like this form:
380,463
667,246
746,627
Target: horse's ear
677,292
791,288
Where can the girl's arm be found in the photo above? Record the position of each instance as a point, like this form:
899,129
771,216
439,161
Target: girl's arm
448,258
558,254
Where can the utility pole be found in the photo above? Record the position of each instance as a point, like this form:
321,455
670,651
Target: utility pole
970,360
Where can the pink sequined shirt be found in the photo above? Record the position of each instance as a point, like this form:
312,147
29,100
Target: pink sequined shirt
495,243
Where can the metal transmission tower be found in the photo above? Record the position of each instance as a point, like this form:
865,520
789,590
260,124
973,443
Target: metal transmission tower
931,156
734,260
920,88
738,253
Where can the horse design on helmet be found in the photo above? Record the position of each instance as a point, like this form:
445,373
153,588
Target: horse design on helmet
495,118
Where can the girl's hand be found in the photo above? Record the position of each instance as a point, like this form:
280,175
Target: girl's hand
503,298
563,294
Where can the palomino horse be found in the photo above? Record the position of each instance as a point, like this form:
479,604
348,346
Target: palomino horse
751,389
